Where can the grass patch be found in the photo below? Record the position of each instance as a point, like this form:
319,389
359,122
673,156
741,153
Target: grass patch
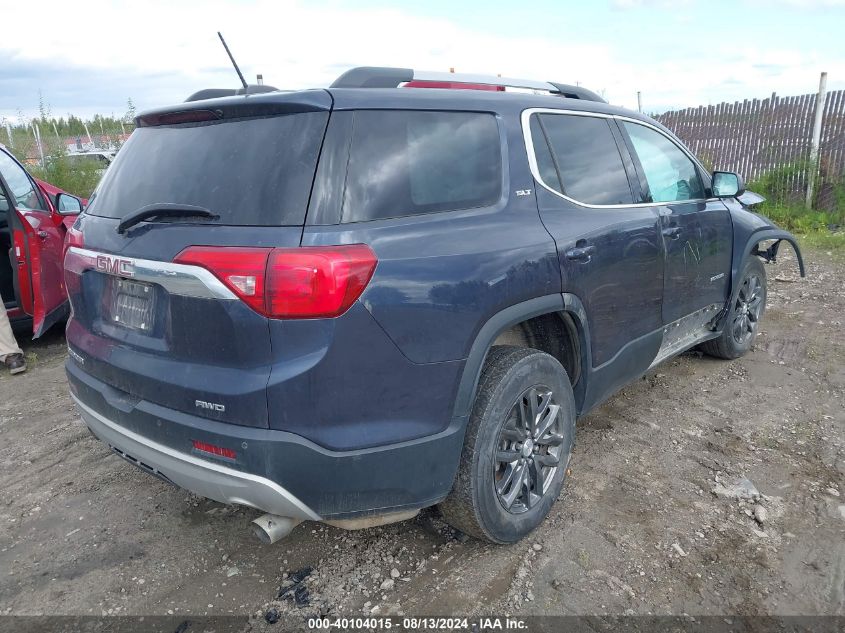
79,178
825,240
818,228
799,219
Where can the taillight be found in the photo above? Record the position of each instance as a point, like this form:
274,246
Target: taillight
74,238
309,282
241,269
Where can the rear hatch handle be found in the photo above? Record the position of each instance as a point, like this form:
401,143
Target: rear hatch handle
164,210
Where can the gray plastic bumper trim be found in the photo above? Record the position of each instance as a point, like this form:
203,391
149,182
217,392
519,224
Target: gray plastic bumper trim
200,476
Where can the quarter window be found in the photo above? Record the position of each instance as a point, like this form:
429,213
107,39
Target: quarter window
407,162
578,157
670,174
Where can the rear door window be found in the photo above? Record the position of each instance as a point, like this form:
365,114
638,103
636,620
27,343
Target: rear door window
405,162
578,157
255,171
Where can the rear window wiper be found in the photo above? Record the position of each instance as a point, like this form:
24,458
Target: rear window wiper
164,210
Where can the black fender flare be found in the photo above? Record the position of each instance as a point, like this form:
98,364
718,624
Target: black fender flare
749,249
769,254
510,316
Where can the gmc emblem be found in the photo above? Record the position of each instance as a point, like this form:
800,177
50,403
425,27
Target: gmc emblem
115,265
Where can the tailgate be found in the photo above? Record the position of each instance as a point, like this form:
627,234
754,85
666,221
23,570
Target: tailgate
173,333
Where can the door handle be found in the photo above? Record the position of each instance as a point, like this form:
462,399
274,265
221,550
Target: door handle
43,235
673,231
581,253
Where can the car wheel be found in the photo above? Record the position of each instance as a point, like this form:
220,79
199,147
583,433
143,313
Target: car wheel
743,320
517,446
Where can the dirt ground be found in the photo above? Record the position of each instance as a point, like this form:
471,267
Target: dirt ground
637,530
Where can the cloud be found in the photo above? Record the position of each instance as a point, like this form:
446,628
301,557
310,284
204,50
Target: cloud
79,89
650,4
293,44
165,51
680,4
799,4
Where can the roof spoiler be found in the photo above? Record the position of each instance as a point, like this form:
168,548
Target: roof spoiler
385,77
214,93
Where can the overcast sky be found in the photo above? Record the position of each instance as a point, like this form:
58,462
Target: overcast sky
90,57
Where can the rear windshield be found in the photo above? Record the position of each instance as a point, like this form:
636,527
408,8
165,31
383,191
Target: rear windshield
247,171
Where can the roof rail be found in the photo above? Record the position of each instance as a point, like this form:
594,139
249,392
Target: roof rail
577,92
213,93
373,77
384,77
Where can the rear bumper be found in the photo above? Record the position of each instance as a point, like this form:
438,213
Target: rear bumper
203,477
274,471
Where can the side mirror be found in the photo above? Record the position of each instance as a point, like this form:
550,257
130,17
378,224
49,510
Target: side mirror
67,204
727,184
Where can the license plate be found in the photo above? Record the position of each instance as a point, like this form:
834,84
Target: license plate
132,305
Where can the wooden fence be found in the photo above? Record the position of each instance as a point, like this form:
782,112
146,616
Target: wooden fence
758,137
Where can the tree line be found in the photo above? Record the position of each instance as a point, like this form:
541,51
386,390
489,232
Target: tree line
22,135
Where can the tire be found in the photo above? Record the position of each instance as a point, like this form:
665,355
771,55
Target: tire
487,500
743,320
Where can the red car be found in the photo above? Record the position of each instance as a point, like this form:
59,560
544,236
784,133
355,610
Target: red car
34,219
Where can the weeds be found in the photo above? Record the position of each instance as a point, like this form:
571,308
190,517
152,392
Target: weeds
78,178
833,243
785,204
43,143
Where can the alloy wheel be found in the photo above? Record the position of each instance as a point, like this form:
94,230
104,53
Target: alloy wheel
528,450
746,314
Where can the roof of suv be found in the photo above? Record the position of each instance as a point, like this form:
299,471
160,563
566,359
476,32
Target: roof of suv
377,87
405,98
280,102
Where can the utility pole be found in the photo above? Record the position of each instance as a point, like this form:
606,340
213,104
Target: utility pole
817,136
85,125
639,102
37,134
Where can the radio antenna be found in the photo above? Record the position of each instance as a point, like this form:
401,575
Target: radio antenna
234,63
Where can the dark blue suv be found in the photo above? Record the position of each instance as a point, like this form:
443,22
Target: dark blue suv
346,305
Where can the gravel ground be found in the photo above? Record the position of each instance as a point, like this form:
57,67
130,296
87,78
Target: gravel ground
706,487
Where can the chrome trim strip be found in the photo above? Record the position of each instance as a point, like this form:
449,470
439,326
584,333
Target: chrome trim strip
535,171
204,477
177,279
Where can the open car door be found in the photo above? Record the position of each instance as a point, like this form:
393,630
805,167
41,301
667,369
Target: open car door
37,240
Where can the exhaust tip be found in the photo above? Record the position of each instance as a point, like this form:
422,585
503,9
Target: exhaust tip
270,528
260,532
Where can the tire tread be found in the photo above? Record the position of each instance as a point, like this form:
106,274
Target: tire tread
724,346
460,509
